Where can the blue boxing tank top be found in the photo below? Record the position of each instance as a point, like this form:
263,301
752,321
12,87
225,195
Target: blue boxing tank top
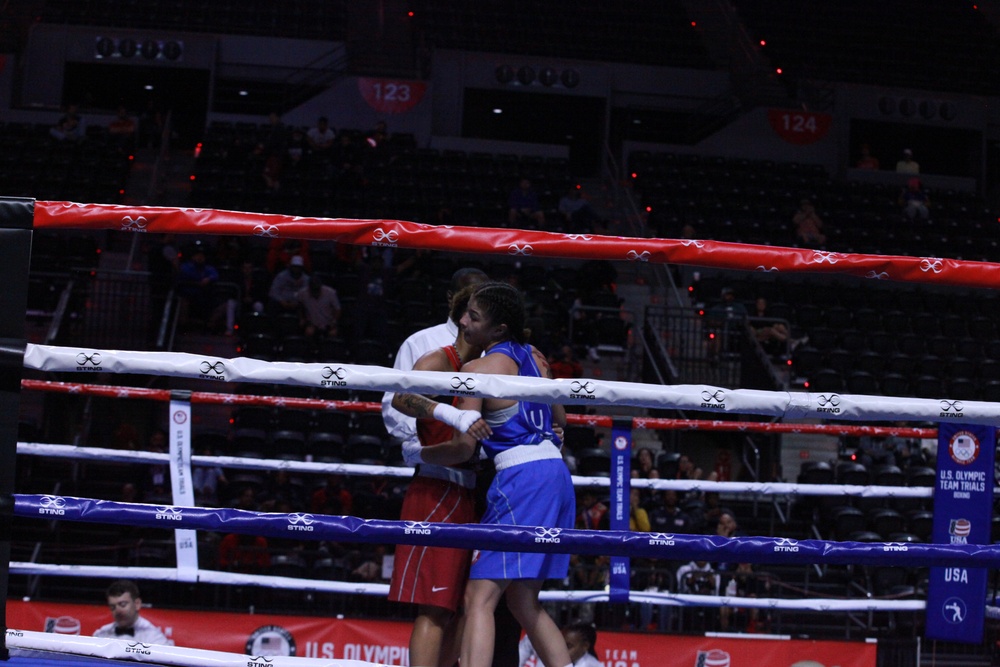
525,422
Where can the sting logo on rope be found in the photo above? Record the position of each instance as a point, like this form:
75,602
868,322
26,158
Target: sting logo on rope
547,535
267,231
952,409
661,540
416,528
463,386
786,544
301,522
89,362
333,377
212,370
52,505
384,238
828,403
142,649
136,225
582,390
169,514
638,256
714,399
514,249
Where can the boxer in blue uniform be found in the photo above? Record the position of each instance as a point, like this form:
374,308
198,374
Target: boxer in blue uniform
532,486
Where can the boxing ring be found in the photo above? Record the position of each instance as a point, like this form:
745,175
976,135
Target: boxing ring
187,518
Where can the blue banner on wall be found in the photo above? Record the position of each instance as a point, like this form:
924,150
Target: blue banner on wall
621,474
963,508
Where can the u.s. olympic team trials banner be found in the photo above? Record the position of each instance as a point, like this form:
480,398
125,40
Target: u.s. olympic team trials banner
386,642
963,507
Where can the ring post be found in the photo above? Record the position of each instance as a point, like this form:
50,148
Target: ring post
16,218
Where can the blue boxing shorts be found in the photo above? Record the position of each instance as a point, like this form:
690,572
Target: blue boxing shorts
532,487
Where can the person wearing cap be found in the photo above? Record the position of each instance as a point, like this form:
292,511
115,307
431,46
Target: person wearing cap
286,285
907,165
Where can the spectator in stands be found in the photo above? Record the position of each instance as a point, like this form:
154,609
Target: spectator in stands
253,289
332,498
282,490
592,510
321,138
122,129
743,582
126,606
867,160
281,251
523,205
68,129
808,226
577,213
275,135
296,148
906,164
665,516
206,480
320,309
247,554
645,464
698,578
564,364
286,285
157,488
914,201
638,518
771,334
196,282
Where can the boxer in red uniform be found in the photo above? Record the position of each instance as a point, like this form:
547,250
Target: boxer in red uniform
434,577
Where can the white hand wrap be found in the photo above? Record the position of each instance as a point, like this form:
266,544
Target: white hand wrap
412,452
461,420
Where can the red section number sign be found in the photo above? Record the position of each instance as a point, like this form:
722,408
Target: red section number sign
799,127
391,95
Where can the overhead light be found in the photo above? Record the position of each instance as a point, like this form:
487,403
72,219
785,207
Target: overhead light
243,93
498,110
148,86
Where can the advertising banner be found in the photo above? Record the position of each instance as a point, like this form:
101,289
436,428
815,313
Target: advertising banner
621,473
963,506
386,642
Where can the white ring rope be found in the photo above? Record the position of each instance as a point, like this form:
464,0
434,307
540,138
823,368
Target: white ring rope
783,404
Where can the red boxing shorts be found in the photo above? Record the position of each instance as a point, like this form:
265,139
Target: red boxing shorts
432,575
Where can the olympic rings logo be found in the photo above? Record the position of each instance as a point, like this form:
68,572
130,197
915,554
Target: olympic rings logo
948,406
576,387
459,383
55,502
718,396
932,264
208,367
832,400
389,237
83,359
638,257
267,231
136,225
514,249
299,517
329,372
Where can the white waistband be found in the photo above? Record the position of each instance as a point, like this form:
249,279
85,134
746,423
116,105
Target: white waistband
466,478
526,454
